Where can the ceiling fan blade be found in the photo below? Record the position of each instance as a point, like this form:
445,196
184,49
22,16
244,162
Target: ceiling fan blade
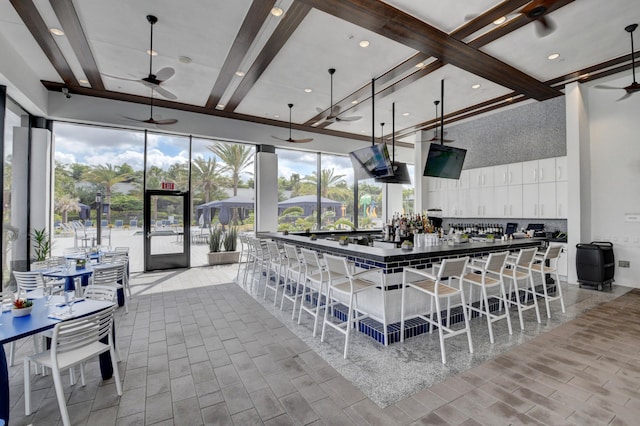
163,121
164,92
603,86
320,110
165,73
120,78
304,140
280,139
625,96
351,118
544,26
335,110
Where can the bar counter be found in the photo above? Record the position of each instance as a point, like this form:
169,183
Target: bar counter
393,260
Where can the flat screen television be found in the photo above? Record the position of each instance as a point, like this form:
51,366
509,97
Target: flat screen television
400,175
444,161
371,162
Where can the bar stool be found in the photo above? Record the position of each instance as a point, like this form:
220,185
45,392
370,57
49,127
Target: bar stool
520,269
260,264
315,277
250,260
243,243
294,266
276,263
343,284
550,256
490,276
435,286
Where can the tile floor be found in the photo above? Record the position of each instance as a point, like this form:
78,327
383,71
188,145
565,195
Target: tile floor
198,349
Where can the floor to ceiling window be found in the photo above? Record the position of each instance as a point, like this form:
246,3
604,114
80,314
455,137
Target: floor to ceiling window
336,189
92,159
12,119
222,191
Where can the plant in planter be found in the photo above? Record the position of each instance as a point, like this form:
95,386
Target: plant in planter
217,240
343,240
313,237
41,244
21,307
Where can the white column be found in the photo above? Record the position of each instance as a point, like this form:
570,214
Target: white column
391,200
420,182
266,178
19,191
579,188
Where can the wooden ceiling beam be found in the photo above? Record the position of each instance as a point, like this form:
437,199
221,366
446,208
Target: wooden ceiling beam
403,28
292,19
253,21
38,28
72,28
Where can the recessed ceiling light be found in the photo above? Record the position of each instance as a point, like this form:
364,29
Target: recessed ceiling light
553,56
240,73
308,90
276,116
500,20
220,106
509,99
56,31
364,43
83,81
406,114
362,131
185,59
152,52
475,86
354,102
276,11
584,75
420,65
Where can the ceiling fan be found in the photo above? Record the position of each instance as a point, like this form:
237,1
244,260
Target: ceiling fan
436,137
334,111
151,120
153,81
633,87
536,11
290,138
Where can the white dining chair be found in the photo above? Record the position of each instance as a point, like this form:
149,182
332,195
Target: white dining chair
73,343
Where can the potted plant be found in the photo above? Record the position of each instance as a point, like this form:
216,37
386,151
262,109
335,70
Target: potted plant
41,244
313,237
406,245
343,240
218,240
21,307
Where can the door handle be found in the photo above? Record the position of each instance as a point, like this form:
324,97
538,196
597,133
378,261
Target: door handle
149,235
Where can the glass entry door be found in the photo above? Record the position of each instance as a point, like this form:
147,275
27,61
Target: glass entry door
166,243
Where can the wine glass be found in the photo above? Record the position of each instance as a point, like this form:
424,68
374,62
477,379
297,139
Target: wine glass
69,299
48,294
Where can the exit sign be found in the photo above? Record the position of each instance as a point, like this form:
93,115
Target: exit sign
168,185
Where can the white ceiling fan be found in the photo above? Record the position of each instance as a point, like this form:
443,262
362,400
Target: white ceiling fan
153,81
334,111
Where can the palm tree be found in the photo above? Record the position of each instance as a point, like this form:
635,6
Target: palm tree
327,180
106,176
236,158
65,204
206,176
154,176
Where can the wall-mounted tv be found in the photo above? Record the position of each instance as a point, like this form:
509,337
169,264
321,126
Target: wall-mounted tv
371,162
444,161
400,175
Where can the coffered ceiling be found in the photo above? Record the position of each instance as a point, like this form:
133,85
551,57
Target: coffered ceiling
236,59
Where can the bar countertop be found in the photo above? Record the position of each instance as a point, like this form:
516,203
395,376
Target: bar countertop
389,255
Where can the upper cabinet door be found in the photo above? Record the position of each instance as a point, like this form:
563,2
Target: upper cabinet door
530,172
561,169
547,170
501,175
514,174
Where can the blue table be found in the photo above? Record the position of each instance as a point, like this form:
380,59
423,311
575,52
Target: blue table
70,275
15,328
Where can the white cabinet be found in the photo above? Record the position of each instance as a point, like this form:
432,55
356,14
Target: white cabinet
514,204
507,174
562,200
436,184
481,178
482,202
530,200
437,200
539,171
547,200
561,169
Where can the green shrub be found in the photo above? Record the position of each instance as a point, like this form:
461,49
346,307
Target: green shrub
215,240
231,239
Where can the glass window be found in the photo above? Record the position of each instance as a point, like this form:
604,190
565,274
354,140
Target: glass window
91,159
297,190
408,193
337,182
223,191
12,119
369,204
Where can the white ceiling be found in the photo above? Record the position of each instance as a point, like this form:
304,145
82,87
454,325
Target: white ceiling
588,32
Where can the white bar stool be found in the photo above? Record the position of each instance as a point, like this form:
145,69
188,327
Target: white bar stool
520,269
551,256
